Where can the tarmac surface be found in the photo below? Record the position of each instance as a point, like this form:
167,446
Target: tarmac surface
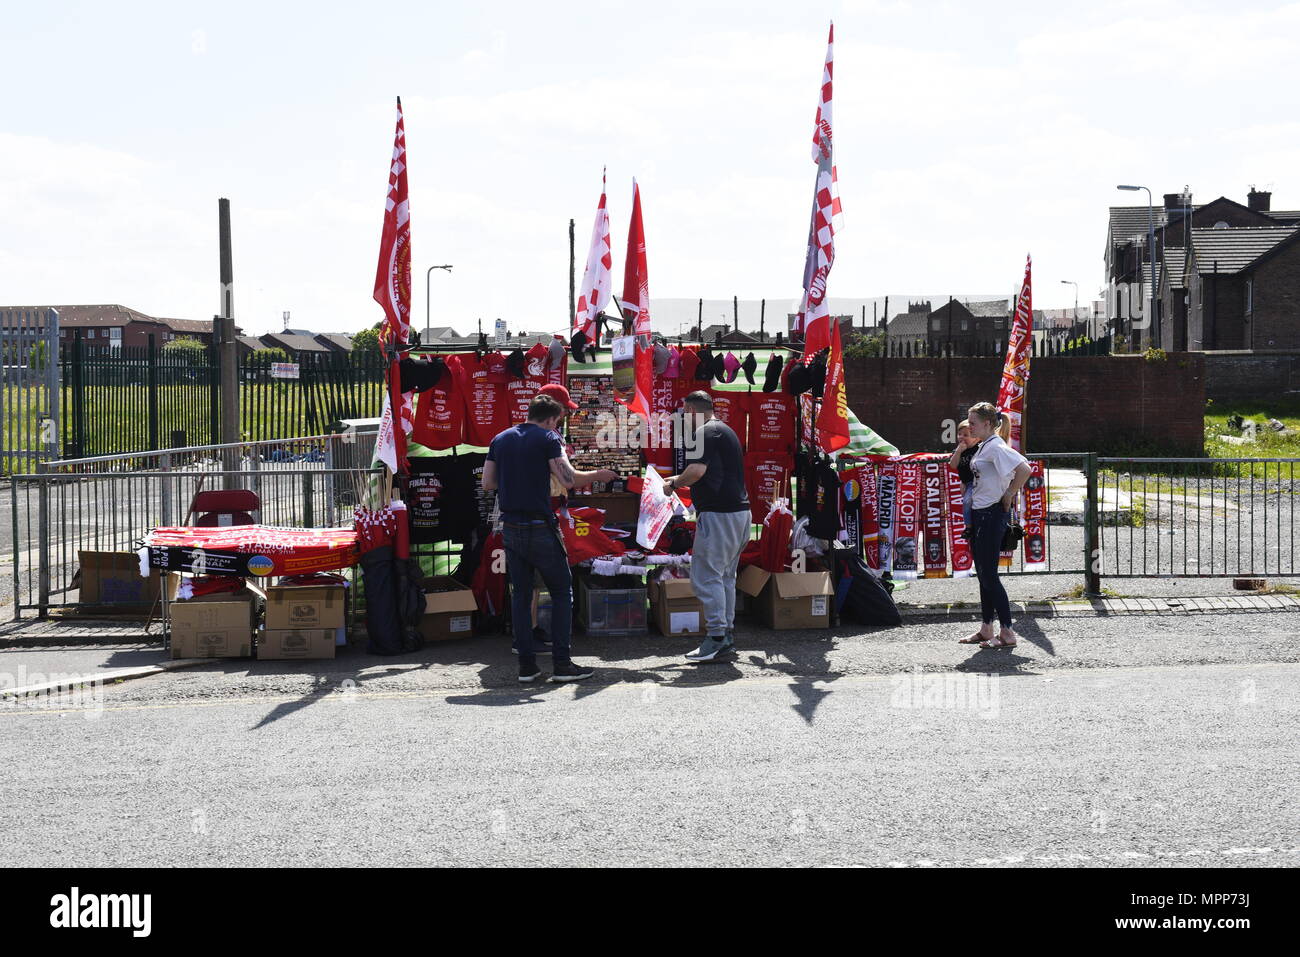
1151,740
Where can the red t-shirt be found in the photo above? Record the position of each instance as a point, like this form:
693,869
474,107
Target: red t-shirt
733,409
666,397
481,383
767,476
440,412
521,392
771,422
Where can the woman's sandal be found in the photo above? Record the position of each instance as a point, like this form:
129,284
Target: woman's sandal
997,642
974,639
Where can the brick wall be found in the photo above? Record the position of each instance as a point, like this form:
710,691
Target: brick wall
1076,404
1247,377
1276,315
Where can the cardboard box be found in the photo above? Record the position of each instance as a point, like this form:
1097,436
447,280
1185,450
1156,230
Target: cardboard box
216,626
449,610
297,607
113,578
288,643
788,600
675,609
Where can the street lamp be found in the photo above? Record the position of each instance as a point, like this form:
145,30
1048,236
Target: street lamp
1151,251
1069,282
427,276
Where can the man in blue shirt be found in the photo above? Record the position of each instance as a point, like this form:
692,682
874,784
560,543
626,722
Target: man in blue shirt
520,464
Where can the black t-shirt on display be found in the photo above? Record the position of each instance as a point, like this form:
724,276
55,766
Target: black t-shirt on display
722,489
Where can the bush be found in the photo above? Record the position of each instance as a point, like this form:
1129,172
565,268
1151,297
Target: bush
185,346
263,358
866,347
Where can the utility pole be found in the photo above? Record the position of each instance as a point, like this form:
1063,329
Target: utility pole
226,348
573,303
735,313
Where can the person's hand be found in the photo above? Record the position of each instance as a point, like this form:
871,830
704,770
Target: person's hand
606,475
1008,501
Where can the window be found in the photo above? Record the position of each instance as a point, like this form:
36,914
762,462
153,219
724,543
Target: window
999,322
965,325
1250,296
934,325
90,333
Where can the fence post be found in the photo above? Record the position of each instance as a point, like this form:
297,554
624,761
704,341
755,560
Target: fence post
1091,536
165,493
214,393
53,390
308,512
43,526
151,376
13,510
331,490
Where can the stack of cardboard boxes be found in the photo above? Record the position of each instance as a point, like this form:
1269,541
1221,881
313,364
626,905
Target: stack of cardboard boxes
301,621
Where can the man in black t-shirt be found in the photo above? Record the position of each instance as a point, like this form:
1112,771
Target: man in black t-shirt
716,477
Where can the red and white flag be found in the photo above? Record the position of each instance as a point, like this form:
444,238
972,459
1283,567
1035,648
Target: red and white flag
393,292
1015,370
833,415
635,303
813,317
596,282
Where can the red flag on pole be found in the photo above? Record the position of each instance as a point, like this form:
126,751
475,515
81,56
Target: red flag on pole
813,320
635,306
833,415
635,303
596,282
1015,370
393,293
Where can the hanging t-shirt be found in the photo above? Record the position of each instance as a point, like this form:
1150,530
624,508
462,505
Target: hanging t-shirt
521,392
825,521
482,384
445,498
666,397
771,423
440,412
733,409
767,476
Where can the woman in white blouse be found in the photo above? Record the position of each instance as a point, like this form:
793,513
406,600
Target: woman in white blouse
999,473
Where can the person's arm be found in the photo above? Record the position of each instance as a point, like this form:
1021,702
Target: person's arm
570,477
690,475
1018,480
489,476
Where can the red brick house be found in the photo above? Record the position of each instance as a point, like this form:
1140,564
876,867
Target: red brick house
109,327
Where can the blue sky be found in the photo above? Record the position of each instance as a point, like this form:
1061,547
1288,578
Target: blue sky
967,135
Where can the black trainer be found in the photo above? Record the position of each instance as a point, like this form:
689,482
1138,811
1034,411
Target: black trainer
570,672
527,677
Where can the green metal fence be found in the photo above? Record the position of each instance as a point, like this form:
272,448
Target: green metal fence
146,398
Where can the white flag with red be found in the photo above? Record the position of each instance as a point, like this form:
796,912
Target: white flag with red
596,280
393,293
813,317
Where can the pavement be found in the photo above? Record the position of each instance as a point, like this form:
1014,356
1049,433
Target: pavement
1110,740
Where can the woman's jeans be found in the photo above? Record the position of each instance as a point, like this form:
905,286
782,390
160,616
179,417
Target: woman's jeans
534,548
987,527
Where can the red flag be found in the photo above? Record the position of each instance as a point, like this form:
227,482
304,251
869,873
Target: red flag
393,277
393,292
827,217
1015,370
636,283
833,416
594,293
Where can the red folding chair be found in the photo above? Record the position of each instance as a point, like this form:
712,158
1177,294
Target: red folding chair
221,507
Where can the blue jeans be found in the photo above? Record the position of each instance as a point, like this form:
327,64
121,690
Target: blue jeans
987,527
536,548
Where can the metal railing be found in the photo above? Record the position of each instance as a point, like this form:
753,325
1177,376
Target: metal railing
1198,518
109,503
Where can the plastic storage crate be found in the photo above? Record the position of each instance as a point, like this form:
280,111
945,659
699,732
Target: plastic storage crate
614,606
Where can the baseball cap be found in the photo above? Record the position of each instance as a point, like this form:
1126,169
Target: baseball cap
560,394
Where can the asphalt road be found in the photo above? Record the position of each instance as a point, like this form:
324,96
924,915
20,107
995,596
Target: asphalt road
1151,741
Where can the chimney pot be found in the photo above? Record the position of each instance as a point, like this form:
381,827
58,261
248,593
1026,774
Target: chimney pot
1259,200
